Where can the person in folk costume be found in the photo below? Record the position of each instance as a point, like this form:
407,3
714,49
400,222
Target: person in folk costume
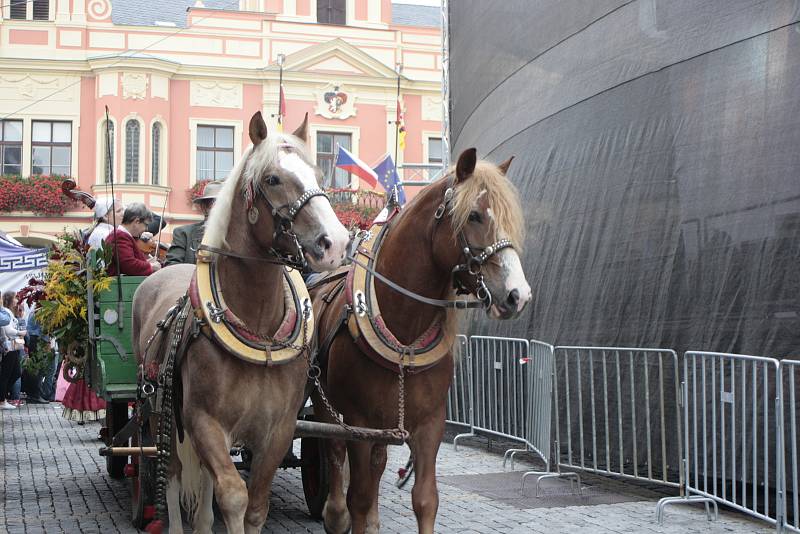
132,261
107,211
186,239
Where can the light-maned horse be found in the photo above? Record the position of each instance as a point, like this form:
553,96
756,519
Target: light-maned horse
421,247
225,399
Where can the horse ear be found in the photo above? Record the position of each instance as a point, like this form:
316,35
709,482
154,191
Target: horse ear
505,165
258,128
466,164
302,131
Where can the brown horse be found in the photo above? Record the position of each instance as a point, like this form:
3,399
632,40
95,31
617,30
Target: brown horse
472,219
269,212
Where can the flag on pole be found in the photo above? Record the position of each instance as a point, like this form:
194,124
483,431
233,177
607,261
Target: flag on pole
387,176
347,161
401,127
281,108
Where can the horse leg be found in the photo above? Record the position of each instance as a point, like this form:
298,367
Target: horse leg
214,454
366,468
266,460
377,467
425,496
335,515
174,505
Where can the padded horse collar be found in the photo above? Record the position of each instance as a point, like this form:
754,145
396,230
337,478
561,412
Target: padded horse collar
233,335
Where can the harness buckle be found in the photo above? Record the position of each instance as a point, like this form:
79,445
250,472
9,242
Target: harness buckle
215,313
360,304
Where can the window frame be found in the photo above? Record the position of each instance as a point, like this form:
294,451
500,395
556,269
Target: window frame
214,149
29,11
133,152
156,152
51,144
12,144
324,156
344,12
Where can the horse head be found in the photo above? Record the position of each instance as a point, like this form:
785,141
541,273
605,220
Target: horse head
287,213
487,235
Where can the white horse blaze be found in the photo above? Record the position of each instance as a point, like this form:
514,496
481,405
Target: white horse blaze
515,276
321,208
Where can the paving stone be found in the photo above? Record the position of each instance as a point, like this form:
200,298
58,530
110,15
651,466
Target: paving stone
55,482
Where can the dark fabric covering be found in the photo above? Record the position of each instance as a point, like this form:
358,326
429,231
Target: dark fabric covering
657,149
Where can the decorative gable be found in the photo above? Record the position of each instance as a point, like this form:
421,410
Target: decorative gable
336,57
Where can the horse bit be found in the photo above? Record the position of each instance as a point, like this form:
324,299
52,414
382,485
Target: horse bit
474,262
284,217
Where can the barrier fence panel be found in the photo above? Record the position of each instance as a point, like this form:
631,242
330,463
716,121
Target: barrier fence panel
500,388
459,397
789,398
616,412
730,414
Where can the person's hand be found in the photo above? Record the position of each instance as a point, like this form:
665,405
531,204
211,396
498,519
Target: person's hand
155,265
146,236
23,333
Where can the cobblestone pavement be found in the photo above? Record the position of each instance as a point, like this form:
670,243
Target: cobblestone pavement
53,481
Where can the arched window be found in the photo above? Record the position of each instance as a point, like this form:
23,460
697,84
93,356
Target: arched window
108,156
132,151
155,171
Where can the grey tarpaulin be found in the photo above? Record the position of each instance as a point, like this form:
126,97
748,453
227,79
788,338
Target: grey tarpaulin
657,153
657,148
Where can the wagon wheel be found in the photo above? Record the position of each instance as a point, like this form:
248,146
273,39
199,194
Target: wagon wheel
116,419
314,473
142,472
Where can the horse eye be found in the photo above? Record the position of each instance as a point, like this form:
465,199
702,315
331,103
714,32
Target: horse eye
273,180
474,216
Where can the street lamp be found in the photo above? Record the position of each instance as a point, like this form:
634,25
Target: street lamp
398,68
281,59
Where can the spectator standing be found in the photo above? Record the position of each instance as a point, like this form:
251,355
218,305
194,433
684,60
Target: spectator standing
35,385
13,345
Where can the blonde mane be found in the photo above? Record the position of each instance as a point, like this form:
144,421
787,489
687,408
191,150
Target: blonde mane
503,200
250,168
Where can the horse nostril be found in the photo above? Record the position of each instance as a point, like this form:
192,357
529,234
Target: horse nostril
513,298
324,242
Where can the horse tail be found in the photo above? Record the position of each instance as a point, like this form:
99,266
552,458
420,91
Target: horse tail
192,477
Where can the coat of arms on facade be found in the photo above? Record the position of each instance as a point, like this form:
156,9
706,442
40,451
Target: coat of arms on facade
333,102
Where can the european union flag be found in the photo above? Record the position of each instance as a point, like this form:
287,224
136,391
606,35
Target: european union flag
387,176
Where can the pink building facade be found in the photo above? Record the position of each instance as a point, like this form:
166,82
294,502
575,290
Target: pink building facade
180,92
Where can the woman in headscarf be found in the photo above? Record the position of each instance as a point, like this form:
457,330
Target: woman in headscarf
107,212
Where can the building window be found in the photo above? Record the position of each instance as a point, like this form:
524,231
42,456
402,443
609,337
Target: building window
328,144
155,171
132,151
214,152
41,10
19,9
434,150
11,147
51,148
332,12
108,156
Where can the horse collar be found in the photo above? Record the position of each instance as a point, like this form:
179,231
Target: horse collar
366,324
232,333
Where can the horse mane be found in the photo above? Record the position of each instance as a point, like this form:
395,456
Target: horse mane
250,168
503,200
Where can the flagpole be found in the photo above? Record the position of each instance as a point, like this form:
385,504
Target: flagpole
281,59
398,69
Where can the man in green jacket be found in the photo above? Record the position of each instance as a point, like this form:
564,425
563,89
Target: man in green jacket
186,239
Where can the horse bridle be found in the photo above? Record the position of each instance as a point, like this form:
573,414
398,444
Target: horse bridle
283,216
475,257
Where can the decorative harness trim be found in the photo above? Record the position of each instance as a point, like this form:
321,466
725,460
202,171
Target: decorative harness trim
232,333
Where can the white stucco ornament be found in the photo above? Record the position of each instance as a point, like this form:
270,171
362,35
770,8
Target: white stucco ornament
334,102
134,85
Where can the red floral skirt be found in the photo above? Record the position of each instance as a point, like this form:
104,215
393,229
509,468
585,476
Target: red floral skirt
81,404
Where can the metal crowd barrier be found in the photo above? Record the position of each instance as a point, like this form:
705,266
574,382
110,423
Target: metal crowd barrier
730,412
459,397
499,387
616,412
789,378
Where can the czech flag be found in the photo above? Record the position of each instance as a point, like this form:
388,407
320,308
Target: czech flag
347,161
